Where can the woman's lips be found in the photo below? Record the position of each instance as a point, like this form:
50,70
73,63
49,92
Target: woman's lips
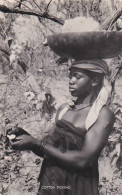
71,88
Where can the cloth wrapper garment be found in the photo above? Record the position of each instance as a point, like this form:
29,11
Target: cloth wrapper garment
56,178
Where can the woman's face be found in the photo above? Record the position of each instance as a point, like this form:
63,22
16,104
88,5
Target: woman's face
80,84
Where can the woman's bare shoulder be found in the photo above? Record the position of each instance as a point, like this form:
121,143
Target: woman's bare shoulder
107,115
107,111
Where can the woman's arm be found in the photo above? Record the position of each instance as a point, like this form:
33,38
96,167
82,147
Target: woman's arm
22,140
94,142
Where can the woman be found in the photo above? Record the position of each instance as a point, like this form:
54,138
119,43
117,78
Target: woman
70,164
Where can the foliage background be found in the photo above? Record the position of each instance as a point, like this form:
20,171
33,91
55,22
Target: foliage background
28,70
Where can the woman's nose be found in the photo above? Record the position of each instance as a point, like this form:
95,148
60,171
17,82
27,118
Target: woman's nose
72,80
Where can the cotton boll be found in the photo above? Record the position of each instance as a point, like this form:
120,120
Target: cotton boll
80,24
41,97
11,137
13,58
29,95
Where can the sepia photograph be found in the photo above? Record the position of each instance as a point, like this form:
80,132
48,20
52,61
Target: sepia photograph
60,100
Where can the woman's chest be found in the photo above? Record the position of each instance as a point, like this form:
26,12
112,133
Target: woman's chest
76,117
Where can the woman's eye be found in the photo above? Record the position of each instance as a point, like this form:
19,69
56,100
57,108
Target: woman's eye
78,76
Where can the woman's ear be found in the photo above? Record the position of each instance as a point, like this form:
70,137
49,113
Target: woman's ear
95,82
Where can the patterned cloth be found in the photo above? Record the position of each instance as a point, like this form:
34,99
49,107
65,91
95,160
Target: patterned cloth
96,65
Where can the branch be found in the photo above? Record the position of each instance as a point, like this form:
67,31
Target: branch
5,9
116,73
53,18
20,2
111,20
48,5
113,80
37,5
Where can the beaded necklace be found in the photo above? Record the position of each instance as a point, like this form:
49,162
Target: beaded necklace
80,106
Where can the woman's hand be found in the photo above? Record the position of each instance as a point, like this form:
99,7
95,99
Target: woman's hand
19,139
17,131
23,142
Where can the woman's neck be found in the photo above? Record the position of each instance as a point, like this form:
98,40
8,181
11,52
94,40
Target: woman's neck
89,99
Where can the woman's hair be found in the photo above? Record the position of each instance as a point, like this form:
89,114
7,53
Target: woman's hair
95,76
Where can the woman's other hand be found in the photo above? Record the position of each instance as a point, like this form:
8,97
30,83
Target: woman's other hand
23,142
